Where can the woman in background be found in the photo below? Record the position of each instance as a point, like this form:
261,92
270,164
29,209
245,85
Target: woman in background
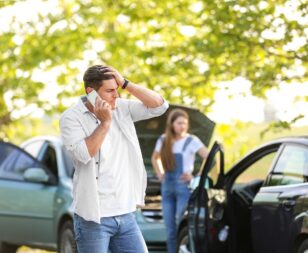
173,161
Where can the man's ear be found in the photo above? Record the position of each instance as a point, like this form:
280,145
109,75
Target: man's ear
89,89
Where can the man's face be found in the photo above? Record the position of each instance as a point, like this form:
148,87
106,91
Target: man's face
109,92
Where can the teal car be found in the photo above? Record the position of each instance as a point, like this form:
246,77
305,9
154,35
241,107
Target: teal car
36,197
36,189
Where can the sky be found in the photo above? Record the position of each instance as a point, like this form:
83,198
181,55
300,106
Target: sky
233,99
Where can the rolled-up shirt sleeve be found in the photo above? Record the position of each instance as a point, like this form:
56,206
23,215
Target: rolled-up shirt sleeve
73,137
139,111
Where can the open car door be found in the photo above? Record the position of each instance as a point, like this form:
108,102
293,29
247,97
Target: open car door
27,197
207,227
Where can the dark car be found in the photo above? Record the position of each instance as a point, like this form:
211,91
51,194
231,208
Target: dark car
260,205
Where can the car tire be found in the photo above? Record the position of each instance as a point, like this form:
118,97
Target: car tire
183,242
303,248
7,248
67,243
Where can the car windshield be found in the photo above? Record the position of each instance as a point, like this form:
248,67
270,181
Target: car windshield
69,166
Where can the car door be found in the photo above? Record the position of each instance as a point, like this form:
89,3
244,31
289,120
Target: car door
242,182
26,208
277,213
206,217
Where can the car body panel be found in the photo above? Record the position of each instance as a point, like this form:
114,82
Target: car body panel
17,216
282,205
271,207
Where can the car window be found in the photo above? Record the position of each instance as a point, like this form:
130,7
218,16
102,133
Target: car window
291,167
213,174
14,162
258,170
49,159
34,148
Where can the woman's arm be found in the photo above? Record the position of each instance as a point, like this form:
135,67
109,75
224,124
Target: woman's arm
157,165
203,152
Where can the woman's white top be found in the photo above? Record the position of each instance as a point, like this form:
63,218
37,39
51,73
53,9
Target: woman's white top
189,153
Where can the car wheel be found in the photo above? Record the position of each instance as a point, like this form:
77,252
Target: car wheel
67,242
7,248
183,242
303,248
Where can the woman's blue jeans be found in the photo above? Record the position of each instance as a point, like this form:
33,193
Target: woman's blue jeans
175,195
119,234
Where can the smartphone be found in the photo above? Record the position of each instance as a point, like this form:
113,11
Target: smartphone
92,97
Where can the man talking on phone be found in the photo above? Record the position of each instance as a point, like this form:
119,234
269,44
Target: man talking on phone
110,178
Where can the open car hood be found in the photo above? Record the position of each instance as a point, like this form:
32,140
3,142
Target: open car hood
148,131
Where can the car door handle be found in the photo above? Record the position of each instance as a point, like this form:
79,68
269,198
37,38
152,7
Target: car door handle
288,203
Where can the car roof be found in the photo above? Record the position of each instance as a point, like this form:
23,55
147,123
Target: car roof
50,138
290,139
282,140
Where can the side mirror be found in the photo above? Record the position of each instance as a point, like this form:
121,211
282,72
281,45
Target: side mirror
36,175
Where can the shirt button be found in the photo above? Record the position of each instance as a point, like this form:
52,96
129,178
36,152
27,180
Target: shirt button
96,178
96,162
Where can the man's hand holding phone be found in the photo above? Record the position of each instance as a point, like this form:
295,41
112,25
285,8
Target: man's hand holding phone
92,97
102,109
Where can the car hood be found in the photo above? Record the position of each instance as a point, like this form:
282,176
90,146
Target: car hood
148,131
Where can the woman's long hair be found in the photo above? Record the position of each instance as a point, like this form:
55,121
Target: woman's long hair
166,154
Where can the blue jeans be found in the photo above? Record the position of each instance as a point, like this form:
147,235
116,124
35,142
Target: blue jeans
175,195
119,234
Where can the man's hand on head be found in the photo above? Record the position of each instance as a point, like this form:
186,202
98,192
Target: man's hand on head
117,76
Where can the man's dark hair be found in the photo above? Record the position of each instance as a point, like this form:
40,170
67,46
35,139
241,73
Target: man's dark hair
94,76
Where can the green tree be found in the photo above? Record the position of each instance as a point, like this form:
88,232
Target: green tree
181,47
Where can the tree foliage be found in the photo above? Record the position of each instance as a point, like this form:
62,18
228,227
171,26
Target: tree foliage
182,48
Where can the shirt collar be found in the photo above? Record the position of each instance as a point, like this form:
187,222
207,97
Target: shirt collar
81,106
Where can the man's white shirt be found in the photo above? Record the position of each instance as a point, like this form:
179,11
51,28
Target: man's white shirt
104,174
